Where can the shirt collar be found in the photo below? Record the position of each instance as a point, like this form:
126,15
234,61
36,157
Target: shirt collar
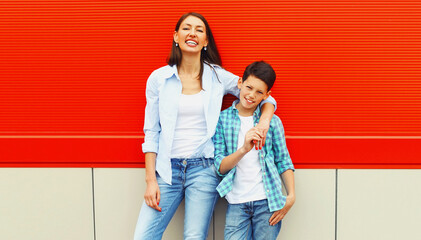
256,114
171,71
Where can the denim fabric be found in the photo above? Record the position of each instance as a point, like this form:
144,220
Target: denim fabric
192,179
250,220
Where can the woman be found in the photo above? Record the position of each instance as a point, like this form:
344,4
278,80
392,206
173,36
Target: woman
184,100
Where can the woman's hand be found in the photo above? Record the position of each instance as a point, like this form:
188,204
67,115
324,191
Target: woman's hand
253,135
152,194
263,126
280,214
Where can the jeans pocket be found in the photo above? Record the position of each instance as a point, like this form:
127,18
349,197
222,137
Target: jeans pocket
215,173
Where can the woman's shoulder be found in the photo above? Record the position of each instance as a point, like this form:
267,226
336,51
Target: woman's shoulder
164,70
217,68
221,72
158,75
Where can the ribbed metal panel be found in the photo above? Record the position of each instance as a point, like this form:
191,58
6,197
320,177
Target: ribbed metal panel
77,70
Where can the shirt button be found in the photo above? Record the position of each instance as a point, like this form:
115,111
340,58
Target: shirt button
264,173
267,191
184,162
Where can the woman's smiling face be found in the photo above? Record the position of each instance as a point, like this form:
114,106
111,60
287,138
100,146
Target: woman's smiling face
191,36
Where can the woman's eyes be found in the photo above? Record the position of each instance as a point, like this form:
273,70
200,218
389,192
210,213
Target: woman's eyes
187,29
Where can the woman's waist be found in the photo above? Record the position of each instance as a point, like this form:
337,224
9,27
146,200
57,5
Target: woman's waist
205,161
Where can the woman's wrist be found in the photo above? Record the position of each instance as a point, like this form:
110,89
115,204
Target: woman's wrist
242,151
150,178
265,120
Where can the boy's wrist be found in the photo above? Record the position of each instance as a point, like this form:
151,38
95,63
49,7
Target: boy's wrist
291,198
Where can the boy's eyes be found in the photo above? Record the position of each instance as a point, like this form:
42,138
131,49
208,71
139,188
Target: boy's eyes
250,88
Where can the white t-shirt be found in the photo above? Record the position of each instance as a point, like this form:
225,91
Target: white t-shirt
248,182
190,128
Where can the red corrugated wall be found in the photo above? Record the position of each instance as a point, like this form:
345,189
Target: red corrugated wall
73,74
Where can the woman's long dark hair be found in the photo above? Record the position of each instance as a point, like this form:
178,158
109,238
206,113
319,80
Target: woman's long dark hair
211,55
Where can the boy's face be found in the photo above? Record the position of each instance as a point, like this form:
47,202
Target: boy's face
252,92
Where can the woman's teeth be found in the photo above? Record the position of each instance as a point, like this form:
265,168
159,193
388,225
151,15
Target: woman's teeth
191,43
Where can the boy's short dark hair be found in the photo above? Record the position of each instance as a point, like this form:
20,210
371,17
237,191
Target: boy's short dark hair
263,71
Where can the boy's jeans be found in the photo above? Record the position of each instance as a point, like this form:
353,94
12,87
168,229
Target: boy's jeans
192,179
250,220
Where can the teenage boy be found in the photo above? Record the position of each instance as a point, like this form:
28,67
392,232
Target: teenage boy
252,178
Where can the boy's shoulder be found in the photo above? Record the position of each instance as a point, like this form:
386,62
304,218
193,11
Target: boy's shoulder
275,119
227,112
275,122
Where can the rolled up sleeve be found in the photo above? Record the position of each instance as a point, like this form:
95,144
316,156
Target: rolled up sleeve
220,147
270,100
282,158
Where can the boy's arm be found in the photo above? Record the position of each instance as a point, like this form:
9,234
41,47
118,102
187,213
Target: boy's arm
285,168
289,183
281,155
225,163
230,161
288,179
220,146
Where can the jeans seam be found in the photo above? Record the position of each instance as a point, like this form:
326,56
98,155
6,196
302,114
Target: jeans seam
165,214
248,229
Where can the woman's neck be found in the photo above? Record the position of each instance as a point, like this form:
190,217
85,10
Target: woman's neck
190,65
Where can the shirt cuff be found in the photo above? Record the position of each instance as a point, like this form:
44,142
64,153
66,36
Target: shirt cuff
150,147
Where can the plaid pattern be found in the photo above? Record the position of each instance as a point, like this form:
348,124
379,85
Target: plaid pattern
274,157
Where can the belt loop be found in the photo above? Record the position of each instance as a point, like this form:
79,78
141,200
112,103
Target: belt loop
203,161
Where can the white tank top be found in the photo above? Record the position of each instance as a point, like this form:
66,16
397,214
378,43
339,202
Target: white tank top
248,182
190,128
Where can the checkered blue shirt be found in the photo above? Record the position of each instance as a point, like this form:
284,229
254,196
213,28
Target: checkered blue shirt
274,157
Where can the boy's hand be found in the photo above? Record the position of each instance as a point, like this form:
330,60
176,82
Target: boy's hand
263,126
253,135
280,214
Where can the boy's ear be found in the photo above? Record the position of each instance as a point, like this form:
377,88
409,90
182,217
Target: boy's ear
240,82
266,95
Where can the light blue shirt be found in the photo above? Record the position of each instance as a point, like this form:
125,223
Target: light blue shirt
163,92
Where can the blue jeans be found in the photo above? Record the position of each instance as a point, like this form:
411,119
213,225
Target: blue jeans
250,220
192,179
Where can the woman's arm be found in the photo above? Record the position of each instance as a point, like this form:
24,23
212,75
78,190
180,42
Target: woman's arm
267,112
152,193
152,131
152,126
